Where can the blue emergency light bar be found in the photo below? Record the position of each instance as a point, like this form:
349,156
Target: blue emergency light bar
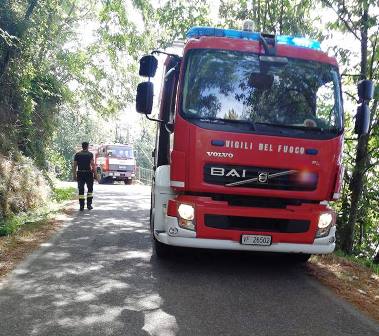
247,35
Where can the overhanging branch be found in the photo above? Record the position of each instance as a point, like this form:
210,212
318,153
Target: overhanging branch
340,16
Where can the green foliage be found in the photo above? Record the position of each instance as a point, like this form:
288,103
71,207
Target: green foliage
73,128
357,223
12,224
51,81
144,144
34,215
22,187
359,260
177,16
270,16
64,194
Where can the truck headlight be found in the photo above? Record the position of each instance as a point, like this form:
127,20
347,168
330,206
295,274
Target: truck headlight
325,222
186,214
186,211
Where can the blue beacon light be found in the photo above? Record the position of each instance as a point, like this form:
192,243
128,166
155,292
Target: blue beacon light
295,41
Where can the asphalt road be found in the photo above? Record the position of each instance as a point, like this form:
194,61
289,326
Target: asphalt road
98,276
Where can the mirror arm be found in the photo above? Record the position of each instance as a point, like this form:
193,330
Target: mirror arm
169,72
156,51
168,125
269,51
152,119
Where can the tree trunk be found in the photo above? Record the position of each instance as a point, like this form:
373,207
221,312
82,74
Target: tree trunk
281,17
356,185
375,260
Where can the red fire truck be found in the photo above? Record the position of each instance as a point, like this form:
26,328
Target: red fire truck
115,162
248,151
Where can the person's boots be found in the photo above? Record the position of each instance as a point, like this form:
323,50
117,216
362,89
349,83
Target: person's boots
89,200
81,203
89,203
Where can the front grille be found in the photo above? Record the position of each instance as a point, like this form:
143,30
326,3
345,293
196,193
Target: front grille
121,168
260,177
259,202
256,224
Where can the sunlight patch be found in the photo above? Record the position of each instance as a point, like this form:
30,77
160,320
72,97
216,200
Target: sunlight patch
150,302
160,323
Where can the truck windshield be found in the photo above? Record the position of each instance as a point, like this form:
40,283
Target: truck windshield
120,152
233,88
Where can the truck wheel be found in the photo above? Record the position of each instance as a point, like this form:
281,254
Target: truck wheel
300,258
108,180
162,251
128,181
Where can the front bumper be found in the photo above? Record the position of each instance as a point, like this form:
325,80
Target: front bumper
120,176
177,236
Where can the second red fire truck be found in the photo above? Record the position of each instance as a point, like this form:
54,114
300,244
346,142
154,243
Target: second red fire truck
115,162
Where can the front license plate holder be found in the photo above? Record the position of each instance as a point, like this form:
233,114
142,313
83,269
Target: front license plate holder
257,240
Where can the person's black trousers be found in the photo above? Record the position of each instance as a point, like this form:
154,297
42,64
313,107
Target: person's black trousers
85,178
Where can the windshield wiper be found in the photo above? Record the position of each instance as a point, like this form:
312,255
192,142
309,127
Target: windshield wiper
302,128
224,121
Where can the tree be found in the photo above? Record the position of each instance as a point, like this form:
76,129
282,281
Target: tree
274,16
46,69
175,18
359,21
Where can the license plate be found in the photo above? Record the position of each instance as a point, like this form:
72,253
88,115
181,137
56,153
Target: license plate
260,240
122,167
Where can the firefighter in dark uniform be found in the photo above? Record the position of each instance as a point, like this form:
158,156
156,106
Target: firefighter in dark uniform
83,172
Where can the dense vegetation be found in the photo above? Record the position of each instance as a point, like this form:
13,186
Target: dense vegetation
68,70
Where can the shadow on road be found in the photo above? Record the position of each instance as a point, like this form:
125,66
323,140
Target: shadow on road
99,277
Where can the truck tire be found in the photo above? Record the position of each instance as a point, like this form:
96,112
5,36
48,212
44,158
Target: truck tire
99,176
128,181
162,251
300,258
108,180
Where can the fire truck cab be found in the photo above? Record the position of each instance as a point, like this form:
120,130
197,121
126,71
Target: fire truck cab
249,144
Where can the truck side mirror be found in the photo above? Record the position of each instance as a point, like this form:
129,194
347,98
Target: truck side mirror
148,66
362,119
365,90
144,99
365,94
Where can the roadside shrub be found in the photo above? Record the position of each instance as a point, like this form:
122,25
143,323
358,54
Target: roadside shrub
22,186
64,194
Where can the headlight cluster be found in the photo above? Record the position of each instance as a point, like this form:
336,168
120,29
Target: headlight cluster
325,222
186,214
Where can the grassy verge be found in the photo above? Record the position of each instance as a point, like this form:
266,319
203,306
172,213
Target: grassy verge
12,224
24,233
364,262
353,279
64,194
